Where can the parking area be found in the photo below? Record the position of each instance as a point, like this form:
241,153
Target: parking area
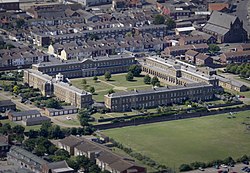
70,120
236,169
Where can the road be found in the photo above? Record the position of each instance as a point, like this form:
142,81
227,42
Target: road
236,168
19,105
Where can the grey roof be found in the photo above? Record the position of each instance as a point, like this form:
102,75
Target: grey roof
116,162
220,22
57,165
18,152
25,113
71,141
37,119
6,103
215,28
203,34
158,90
64,108
222,19
191,52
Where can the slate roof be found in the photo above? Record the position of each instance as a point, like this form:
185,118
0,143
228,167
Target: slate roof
71,141
18,152
191,53
36,119
24,113
61,165
116,162
221,19
202,56
158,90
6,103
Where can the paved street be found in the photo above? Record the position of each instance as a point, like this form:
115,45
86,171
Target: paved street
19,105
236,168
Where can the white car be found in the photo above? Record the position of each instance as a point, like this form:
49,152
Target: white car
68,118
223,166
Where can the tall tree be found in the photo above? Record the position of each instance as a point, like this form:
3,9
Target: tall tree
107,75
154,81
159,19
135,70
129,76
147,79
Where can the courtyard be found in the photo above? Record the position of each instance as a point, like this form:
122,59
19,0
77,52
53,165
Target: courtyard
117,82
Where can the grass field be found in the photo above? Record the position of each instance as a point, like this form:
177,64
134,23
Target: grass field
117,82
185,141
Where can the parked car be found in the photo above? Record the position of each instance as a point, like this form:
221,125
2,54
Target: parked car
223,166
201,169
246,162
68,118
244,168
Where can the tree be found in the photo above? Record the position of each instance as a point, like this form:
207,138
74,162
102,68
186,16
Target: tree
159,19
55,132
185,167
16,89
135,70
19,23
5,129
63,153
18,129
154,81
229,161
107,75
147,79
213,48
111,91
40,150
170,23
92,90
129,76
84,82
95,78
44,129
32,134
73,131
52,103
29,144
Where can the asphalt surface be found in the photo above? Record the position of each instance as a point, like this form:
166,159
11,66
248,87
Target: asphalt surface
236,168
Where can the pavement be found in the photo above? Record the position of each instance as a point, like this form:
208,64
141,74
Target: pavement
15,100
237,168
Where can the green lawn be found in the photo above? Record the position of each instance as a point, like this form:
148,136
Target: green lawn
185,141
117,82
90,82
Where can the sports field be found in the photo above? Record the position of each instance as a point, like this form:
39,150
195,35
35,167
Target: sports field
185,141
117,82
